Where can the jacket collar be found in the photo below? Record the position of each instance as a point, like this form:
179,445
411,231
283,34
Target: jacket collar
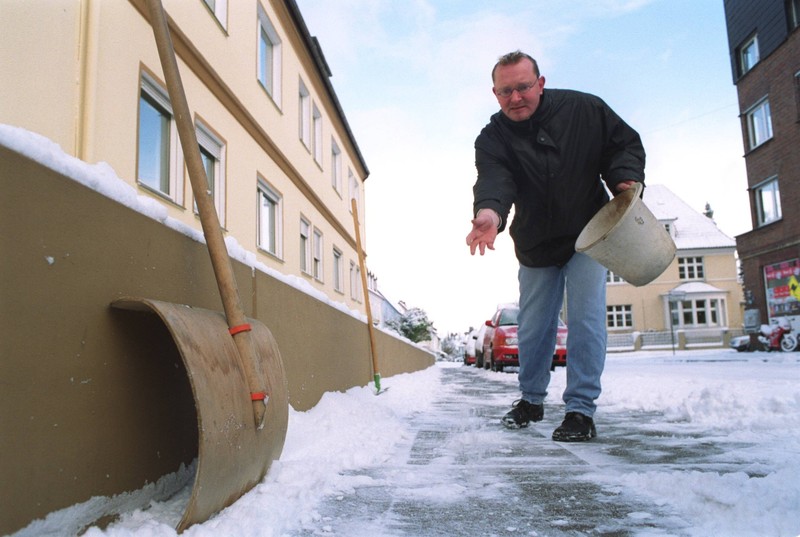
541,113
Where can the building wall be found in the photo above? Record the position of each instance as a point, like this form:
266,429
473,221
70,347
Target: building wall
92,54
774,77
95,400
649,302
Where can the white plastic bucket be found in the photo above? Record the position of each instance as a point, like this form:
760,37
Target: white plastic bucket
626,238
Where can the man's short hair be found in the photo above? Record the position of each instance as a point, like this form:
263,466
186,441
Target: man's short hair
513,58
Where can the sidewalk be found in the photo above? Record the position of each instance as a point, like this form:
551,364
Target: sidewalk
509,482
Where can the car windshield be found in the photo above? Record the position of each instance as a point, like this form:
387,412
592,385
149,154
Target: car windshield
508,317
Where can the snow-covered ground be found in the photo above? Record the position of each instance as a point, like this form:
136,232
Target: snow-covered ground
739,409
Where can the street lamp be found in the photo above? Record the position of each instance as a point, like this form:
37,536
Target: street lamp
674,298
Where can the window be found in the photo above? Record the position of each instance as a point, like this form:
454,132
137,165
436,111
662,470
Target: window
697,313
316,262
336,166
768,202
619,316
354,195
613,278
305,115
220,10
269,57
748,55
305,246
159,162
355,282
759,124
269,219
797,92
793,13
317,149
212,153
338,270
690,268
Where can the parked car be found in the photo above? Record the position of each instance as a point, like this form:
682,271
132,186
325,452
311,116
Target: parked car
480,338
469,348
500,345
560,353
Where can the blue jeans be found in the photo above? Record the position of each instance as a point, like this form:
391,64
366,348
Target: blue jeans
541,297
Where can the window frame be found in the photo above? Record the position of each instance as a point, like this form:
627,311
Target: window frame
316,133
748,55
170,187
266,191
304,114
218,8
759,128
770,187
305,246
212,146
797,90
619,316
336,167
698,312
338,270
691,268
355,193
317,255
793,14
355,282
269,50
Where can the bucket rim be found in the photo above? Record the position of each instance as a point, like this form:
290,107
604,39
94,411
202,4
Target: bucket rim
636,190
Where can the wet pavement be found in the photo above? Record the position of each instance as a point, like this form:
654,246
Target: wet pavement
464,474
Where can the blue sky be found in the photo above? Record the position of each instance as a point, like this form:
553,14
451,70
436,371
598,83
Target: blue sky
414,80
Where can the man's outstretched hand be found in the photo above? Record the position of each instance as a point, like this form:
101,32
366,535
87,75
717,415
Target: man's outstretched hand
484,231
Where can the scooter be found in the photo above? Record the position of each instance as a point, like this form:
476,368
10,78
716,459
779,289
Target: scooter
779,336
776,336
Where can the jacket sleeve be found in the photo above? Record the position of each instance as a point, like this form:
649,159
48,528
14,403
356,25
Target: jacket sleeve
623,154
495,187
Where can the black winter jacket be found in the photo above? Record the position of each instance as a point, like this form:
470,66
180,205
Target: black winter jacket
551,167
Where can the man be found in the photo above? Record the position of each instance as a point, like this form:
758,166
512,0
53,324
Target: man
548,153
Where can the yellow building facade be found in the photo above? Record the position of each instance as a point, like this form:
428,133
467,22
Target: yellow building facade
698,292
282,161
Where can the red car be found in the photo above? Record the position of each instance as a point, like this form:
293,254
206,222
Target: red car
560,354
500,347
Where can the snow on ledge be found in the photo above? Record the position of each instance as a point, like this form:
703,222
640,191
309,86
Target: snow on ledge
102,178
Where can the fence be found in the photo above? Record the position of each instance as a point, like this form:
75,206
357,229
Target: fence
680,339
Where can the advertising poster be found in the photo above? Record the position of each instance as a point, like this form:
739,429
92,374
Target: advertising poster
782,282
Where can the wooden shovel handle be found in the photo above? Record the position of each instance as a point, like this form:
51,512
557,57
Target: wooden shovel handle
221,263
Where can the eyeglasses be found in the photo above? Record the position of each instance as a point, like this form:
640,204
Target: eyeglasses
522,89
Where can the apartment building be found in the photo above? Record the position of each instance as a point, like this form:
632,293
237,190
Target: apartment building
699,290
764,45
280,157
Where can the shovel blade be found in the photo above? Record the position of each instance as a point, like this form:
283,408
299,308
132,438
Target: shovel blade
233,455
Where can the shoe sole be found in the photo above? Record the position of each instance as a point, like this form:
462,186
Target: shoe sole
514,425
574,437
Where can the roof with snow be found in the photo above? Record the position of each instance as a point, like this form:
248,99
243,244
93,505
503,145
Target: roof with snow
690,229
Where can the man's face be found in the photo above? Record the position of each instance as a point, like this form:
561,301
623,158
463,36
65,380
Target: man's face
518,89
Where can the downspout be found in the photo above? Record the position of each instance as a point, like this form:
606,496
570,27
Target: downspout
87,58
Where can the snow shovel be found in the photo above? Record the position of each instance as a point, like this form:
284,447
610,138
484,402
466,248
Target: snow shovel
233,363
373,353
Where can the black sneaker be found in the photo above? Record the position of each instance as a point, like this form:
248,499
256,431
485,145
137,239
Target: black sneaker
522,413
575,428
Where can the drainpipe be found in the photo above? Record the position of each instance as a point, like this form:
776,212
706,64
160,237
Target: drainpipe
86,83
